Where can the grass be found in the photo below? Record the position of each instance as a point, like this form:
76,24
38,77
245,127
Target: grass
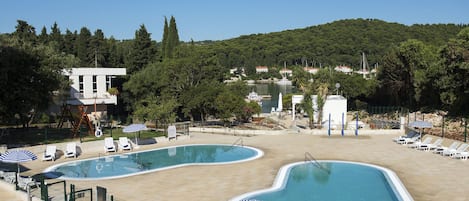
17,137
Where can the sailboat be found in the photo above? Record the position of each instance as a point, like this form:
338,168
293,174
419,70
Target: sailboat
363,64
284,80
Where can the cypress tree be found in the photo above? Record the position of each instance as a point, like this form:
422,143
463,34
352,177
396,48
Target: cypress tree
164,41
172,38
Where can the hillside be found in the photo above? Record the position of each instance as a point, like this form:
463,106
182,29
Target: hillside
339,42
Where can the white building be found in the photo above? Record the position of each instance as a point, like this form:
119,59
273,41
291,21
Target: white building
335,105
89,86
262,69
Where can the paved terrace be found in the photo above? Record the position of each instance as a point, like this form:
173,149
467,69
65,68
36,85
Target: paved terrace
427,176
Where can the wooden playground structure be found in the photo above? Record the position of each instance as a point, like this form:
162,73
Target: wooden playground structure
76,119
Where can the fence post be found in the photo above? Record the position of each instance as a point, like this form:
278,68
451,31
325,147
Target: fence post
342,124
44,190
65,190
329,129
443,127
465,130
356,125
72,192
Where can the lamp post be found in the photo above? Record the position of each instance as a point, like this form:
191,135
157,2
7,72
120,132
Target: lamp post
443,113
337,86
465,129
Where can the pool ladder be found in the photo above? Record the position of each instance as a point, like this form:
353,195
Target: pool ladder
238,142
312,160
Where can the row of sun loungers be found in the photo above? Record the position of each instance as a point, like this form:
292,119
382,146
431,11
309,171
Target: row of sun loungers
455,150
123,144
50,153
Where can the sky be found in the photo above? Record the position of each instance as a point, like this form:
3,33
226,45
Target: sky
200,20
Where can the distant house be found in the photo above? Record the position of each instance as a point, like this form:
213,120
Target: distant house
311,70
262,69
343,69
286,71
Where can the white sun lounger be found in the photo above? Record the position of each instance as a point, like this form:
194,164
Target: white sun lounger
71,150
109,145
420,143
428,147
124,143
452,152
440,150
49,154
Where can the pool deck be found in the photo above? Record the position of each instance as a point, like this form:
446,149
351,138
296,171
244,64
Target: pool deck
427,176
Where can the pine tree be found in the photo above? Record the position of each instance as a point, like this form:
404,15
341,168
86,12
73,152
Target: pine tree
25,33
83,47
56,36
143,50
43,37
98,45
69,42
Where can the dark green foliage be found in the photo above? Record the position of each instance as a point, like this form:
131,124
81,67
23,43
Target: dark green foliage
142,52
453,72
83,48
170,38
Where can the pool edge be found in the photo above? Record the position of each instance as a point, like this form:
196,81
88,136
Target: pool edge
280,181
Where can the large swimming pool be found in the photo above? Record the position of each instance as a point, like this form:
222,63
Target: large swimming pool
128,164
334,181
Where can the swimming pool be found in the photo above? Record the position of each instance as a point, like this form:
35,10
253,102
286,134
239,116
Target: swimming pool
337,180
128,164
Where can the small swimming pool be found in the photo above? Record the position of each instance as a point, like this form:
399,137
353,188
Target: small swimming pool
128,164
332,180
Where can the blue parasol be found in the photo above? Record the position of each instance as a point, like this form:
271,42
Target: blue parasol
420,125
17,156
134,128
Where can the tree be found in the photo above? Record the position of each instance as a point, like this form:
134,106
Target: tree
453,72
57,37
162,110
172,40
98,44
43,37
25,33
228,105
200,99
83,47
143,50
164,41
397,76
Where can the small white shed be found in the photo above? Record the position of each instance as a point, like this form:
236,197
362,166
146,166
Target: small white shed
335,105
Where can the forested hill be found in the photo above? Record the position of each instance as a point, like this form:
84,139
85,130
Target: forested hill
339,42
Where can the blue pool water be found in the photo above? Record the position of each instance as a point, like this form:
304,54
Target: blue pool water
345,181
123,165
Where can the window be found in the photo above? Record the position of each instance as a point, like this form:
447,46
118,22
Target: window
108,82
80,82
95,88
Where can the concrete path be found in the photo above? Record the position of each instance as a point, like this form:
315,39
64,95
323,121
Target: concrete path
427,176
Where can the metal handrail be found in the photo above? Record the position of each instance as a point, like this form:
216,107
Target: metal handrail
238,142
312,160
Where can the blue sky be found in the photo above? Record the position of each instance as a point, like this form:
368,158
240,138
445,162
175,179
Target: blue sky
218,19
